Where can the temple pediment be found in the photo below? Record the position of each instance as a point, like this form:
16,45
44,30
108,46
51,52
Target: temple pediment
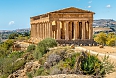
71,10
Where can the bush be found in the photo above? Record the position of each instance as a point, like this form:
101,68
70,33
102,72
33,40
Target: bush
111,42
31,48
90,64
53,59
101,38
17,54
43,46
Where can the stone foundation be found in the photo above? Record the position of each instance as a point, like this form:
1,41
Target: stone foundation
78,42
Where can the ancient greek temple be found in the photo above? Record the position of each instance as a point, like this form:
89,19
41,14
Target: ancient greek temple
69,24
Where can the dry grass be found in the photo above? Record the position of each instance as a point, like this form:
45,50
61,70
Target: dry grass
106,49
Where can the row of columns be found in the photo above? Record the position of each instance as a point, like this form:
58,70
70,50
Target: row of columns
44,30
87,30
41,30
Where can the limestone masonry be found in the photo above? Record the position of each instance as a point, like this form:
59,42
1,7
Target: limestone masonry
65,25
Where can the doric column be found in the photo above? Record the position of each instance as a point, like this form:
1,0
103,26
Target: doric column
37,30
47,30
78,30
66,30
50,29
58,31
31,30
41,30
75,30
83,30
87,30
44,30
90,30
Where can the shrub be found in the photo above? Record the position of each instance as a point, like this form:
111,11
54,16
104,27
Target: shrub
39,71
18,64
107,66
43,46
101,38
53,59
111,42
29,75
89,64
31,48
17,54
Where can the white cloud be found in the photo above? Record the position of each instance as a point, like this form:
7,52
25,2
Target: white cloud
11,22
89,6
90,2
108,6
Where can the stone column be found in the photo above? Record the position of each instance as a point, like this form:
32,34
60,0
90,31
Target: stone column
38,30
83,30
50,29
58,31
41,30
47,30
75,30
66,30
44,30
31,30
87,30
35,30
90,30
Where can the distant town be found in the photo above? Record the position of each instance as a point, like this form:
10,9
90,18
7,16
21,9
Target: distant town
100,25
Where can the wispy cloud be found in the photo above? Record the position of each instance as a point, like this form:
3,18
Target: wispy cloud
108,6
90,2
89,6
11,22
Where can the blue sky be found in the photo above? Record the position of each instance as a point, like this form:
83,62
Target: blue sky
15,14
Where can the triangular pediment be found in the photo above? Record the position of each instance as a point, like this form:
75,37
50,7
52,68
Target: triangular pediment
72,10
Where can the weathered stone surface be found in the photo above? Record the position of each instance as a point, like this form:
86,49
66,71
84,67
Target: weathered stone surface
66,24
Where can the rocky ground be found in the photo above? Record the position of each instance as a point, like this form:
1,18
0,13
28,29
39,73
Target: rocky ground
29,66
21,73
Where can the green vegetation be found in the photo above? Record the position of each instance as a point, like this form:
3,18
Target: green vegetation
67,61
43,47
106,39
10,61
31,48
61,60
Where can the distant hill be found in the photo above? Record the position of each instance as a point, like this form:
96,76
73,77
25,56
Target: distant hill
5,33
104,23
17,30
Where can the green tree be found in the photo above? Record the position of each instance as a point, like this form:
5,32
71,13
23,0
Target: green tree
111,38
101,38
13,36
7,44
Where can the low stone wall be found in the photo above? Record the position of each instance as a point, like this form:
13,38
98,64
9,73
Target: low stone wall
64,76
78,42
